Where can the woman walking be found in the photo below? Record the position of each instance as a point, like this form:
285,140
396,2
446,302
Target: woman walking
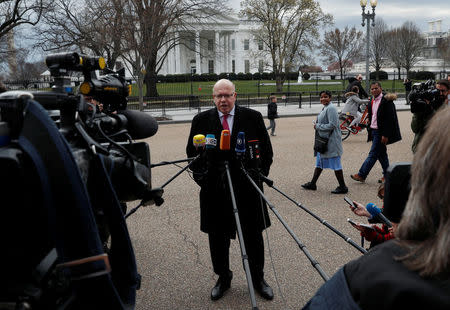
327,126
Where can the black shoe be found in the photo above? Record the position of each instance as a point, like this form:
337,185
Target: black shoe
222,285
310,186
340,190
263,289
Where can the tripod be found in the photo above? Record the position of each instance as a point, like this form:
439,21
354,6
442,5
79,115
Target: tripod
302,247
269,182
241,240
156,193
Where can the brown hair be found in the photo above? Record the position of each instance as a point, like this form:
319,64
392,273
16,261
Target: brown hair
425,225
446,83
355,89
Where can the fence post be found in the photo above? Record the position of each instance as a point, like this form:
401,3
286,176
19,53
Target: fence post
164,108
310,99
299,100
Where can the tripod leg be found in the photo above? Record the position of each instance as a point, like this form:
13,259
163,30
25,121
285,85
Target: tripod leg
241,240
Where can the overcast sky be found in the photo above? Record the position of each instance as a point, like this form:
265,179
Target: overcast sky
393,12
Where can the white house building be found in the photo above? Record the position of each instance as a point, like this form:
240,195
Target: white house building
221,44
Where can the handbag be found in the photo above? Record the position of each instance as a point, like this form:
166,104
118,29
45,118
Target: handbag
320,143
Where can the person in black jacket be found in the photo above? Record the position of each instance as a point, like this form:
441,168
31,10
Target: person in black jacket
357,82
383,130
413,270
216,212
272,114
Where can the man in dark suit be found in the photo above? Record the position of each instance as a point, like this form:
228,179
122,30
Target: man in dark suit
216,211
383,130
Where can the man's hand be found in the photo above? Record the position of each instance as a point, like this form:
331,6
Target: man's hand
360,210
384,140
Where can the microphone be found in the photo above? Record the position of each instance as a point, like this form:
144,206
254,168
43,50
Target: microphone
376,213
199,142
240,145
253,150
225,140
140,125
210,141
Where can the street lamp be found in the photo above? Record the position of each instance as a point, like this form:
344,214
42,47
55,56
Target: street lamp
369,16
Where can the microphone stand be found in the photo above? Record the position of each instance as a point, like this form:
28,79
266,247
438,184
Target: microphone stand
269,182
241,240
163,163
165,184
302,247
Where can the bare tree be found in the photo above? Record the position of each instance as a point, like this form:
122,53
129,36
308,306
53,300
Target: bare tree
14,13
94,26
378,46
288,29
342,47
444,50
394,50
411,43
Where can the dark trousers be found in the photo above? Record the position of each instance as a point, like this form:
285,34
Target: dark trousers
378,151
219,247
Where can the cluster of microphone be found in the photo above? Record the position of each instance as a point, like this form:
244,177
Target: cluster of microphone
209,143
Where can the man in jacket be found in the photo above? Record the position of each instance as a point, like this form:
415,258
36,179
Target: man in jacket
216,211
356,82
383,130
423,110
272,114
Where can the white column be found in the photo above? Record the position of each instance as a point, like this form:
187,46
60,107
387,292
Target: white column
229,53
198,60
177,56
217,52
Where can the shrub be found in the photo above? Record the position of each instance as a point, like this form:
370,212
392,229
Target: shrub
421,75
382,75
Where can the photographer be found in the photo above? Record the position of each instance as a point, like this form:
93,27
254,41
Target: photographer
424,105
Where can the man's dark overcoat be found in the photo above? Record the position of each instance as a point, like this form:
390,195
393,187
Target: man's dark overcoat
215,201
386,119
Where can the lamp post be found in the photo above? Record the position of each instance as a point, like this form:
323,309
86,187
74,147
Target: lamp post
368,16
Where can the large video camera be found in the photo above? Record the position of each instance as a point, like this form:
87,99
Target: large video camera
65,179
424,91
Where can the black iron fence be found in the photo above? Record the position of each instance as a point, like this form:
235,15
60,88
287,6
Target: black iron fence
165,103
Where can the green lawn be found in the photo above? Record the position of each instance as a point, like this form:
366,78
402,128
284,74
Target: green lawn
265,87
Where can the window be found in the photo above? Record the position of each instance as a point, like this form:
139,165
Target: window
210,44
247,66
192,44
260,45
210,66
246,44
233,44
260,66
233,66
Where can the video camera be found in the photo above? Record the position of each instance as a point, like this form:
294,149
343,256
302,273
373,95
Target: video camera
424,91
64,185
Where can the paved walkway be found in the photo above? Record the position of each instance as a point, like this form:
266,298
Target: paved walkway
291,110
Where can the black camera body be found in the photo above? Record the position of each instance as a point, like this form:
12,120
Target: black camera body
65,179
424,91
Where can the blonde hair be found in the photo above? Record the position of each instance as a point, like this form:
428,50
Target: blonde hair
425,225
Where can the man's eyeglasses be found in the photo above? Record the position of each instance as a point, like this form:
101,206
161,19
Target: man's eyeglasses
225,96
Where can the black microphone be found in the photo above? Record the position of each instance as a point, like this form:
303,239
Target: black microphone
376,214
140,124
253,151
240,145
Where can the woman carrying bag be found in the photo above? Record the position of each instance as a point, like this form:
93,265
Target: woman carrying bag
328,153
